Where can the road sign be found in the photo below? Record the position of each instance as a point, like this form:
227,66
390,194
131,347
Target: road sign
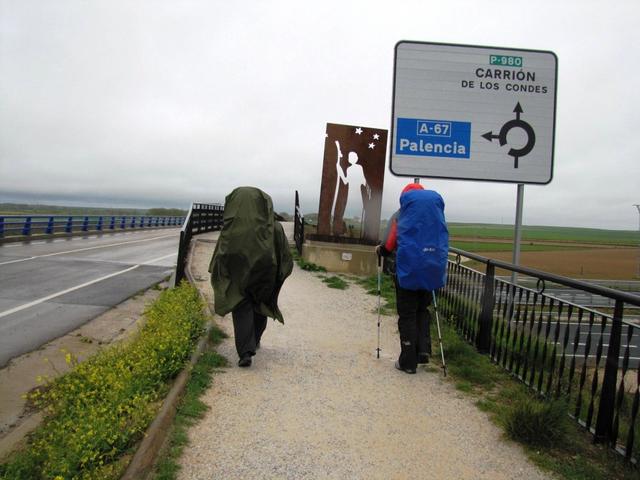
473,113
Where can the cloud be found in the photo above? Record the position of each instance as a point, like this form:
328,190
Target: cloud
162,103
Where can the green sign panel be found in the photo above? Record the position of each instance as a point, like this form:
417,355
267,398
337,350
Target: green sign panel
505,61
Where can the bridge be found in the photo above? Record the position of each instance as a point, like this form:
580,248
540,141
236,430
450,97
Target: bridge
551,343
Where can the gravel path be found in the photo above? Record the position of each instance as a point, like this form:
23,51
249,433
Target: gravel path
317,403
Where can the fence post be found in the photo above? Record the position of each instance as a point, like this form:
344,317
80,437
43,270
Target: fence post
49,229
99,226
1,226
181,259
85,224
69,226
604,422
485,322
26,229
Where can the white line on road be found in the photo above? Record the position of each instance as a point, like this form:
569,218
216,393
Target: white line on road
85,249
78,287
159,258
63,292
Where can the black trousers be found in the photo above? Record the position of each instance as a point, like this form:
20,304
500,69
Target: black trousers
413,324
248,327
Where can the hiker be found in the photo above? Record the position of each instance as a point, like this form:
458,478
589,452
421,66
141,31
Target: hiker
249,265
416,242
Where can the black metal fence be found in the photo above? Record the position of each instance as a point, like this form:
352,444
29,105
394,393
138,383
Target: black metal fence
559,349
202,217
298,226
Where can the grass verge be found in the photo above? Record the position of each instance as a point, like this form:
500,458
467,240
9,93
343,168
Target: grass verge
191,408
387,291
550,438
335,282
304,265
97,412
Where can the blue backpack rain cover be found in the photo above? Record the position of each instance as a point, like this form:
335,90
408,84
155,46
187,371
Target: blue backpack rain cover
423,241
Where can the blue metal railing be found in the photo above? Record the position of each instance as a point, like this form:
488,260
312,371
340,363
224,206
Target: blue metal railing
28,225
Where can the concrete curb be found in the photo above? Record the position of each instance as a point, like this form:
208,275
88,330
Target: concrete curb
146,456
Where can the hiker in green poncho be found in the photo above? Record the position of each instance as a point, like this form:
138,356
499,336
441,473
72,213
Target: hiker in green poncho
250,263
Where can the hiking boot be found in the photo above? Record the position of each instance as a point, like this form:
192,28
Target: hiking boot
245,361
405,370
423,359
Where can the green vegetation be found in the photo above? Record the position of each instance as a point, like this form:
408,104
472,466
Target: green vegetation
24,209
335,282
166,212
387,291
304,265
96,413
471,246
538,423
558,234
191,408
551,439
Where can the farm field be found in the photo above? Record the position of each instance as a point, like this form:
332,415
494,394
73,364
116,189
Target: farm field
596,264
541,233
582,253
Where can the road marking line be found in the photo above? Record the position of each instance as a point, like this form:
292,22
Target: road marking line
159,258
17,261
63,292
86,249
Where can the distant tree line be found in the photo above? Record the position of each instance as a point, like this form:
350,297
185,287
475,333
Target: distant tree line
26,209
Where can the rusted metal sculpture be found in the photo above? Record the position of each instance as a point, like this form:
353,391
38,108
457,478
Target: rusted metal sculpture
352,180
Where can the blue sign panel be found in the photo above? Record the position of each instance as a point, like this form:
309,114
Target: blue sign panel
433,138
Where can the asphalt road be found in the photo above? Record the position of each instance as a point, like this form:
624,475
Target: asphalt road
49,288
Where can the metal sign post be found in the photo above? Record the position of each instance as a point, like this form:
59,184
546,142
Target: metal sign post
637,205
518,231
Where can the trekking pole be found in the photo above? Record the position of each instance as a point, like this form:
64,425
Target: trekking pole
379,295
435,307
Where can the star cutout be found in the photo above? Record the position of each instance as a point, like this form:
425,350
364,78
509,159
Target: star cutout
376,136
358,131
372,145
326,135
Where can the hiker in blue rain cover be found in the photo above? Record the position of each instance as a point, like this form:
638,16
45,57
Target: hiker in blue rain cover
416,245
250,263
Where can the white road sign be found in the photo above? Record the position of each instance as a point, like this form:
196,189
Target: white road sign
474,113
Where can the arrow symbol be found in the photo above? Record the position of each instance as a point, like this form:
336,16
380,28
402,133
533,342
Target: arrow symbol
490,136
518,110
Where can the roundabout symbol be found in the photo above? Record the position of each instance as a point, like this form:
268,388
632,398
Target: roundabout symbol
517,122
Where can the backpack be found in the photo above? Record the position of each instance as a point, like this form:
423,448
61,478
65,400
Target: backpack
423,241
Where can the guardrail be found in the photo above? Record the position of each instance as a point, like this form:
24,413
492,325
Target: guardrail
558,348
202,217
18,226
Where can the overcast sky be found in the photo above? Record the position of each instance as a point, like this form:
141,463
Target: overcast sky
161,103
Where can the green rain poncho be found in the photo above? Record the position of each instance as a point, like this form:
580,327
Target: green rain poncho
251,259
